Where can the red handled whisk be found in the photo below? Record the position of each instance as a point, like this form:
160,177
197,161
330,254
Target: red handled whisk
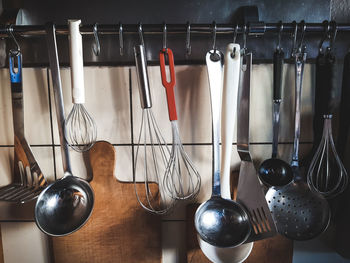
181,177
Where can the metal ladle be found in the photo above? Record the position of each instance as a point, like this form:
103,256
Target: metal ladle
65,205
274,171
220,222
299,213
228,121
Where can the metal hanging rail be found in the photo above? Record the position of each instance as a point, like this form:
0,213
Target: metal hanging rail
116,41
253,28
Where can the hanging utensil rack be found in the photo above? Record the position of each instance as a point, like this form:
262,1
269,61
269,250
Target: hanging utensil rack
117,40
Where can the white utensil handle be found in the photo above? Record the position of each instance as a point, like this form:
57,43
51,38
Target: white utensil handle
228,113
76,61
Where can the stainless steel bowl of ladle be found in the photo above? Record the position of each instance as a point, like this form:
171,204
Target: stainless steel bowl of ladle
218,221
65,205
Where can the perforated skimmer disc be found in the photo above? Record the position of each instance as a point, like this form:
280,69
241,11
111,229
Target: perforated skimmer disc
299,214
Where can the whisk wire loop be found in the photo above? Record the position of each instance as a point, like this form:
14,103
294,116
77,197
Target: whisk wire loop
155,157
327,175
81,129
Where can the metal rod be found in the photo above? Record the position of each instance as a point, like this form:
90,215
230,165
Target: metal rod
29,30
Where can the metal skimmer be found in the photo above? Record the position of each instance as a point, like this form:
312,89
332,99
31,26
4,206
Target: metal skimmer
299,214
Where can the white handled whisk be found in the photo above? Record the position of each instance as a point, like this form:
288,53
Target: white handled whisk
81,128
181,176
152,152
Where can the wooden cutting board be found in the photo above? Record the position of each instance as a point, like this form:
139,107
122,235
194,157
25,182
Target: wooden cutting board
119,230
273,250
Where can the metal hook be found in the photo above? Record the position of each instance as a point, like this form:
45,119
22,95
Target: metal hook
245,32
164,36
96,46
141,34
188,39
303,29
294,35
121,41
326,34
235,31
335,30
279,36
214,36
10,32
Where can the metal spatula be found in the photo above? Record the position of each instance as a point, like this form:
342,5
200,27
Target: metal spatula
28,179
249,191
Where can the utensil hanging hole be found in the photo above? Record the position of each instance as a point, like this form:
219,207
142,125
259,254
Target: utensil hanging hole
215,56
167,70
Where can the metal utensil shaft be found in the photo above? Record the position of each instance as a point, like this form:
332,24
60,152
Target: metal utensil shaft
141,69
214,60
275,127
278,58
299,70
243,110
57,88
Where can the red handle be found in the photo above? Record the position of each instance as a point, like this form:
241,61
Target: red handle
169,86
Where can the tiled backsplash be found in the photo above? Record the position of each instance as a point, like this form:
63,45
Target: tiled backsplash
112,98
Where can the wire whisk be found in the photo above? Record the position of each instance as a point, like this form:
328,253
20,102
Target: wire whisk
152,152
327,175
181,177
81,128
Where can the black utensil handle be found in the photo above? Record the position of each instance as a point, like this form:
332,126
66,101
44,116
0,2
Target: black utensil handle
344,123
323,92
278,59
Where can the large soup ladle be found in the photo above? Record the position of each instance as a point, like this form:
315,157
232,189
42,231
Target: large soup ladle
219,222
65,205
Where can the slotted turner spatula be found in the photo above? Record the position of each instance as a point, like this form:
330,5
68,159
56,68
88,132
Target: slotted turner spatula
249,191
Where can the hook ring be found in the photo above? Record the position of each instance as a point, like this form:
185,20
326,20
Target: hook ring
10,32
245,32
141,34
335,30
188,39
303,29
235,31
294,35
214,35
96,46
164,36
326,34
280,35
121,39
